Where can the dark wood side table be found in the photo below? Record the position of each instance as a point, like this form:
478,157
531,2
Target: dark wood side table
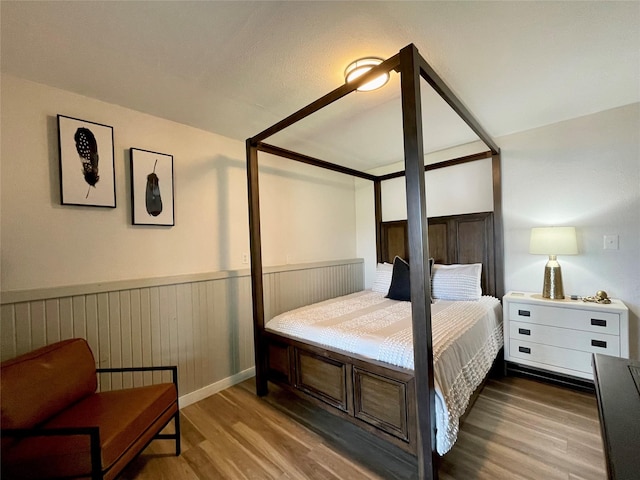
619,409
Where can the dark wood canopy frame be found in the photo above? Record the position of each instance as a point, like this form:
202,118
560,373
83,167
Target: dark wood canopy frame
273,353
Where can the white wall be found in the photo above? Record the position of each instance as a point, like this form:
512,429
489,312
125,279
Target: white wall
307,213
585,173
45,244
365,229
464,188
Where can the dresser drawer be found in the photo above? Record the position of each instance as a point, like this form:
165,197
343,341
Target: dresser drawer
549,356
563,337
573,318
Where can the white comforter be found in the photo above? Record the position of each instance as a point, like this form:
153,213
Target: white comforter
466,339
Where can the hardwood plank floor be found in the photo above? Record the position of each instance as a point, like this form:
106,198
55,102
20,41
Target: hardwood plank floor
517,429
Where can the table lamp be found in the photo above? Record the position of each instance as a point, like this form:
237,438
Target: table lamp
553,241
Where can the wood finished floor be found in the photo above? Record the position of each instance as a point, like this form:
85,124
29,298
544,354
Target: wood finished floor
517,429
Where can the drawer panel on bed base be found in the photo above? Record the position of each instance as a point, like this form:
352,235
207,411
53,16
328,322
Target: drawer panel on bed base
322,377
279,362
381,402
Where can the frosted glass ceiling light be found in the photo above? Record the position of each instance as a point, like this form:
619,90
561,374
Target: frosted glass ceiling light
553,241
362,66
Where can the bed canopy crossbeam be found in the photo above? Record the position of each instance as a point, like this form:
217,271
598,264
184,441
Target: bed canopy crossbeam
298,157
392,63
448,96
411,66
446,163
389,64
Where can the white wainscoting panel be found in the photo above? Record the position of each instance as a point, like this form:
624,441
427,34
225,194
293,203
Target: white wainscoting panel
202,323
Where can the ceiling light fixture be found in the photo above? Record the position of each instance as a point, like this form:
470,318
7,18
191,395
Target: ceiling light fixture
362,66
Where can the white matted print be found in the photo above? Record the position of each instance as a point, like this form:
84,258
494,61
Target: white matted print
151,188
87,173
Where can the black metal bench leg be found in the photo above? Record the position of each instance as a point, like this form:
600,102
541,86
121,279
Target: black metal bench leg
177,428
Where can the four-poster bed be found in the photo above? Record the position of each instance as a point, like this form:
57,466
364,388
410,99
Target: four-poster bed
393,402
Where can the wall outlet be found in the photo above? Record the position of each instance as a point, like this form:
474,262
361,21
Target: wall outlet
245,258
611,242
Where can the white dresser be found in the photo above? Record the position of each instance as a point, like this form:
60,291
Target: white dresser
561,335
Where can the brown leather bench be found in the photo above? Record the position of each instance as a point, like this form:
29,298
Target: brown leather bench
55,424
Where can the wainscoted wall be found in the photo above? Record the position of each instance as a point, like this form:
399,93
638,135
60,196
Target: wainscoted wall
202,323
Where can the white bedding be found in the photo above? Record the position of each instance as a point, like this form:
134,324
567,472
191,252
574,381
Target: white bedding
466,339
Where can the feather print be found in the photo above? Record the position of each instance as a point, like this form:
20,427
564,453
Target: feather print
153,199
87,148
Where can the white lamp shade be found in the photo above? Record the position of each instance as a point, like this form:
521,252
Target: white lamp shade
553,241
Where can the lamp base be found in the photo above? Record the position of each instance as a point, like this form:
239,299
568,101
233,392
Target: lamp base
552,286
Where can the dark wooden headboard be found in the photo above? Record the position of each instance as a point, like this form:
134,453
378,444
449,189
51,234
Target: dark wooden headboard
466,238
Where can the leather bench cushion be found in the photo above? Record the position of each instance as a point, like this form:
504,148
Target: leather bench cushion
39,384
123,417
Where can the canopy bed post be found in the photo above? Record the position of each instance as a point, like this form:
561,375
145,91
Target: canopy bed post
418,261
496,166
257,289
377,196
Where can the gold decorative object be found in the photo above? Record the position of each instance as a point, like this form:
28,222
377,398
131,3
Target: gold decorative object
600,297
553,241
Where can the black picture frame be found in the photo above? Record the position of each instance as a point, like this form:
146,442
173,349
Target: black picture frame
87,166
152,191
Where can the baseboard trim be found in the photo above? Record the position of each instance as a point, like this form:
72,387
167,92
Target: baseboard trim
562,380
202,393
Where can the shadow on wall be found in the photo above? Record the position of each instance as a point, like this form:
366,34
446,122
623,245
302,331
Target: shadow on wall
54,160
223,166
226,170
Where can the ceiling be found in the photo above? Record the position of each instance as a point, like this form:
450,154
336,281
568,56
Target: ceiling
237,67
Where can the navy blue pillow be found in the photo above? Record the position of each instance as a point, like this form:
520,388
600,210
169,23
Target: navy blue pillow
400,288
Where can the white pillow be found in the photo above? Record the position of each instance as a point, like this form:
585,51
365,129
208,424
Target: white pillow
456,282
382,282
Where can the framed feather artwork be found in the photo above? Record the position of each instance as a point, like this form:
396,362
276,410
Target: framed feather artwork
87,172
151,188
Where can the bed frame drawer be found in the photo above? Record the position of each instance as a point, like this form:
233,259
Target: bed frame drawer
381,402
322,378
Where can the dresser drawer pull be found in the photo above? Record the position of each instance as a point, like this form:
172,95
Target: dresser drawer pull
524,331
598,343
524,349
598,323
524,313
